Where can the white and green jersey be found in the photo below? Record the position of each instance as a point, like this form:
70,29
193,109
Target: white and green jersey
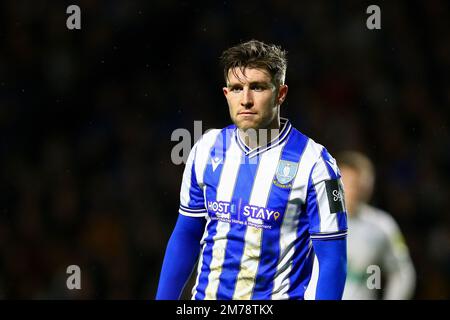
375,241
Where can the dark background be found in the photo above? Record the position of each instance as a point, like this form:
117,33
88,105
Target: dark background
86,117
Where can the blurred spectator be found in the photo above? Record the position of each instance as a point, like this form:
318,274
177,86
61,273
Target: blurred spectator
376,249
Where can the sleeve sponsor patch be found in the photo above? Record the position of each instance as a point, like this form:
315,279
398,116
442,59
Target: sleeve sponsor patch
335,194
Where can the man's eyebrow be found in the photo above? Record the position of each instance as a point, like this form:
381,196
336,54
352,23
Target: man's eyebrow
233,84
261,83
252,83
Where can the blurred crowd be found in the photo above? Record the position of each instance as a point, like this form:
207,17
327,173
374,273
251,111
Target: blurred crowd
86,117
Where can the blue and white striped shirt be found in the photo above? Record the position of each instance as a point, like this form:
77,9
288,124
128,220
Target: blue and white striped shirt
263,207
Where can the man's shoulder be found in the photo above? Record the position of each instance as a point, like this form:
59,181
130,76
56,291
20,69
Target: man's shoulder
382,219
313,149
210,135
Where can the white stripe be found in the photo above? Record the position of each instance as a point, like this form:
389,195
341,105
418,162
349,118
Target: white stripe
245,281
328,221
186,182
329,236
300,185
310,293
203,153
201,160
224,193
288,234
186,209
189,214
288,231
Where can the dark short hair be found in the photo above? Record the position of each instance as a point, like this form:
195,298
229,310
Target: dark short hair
256,54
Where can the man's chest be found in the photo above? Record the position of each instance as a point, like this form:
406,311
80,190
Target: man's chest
256,193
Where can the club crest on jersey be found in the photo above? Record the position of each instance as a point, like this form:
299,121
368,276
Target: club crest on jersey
286,171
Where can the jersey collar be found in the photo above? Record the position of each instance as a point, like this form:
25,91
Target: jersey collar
280,138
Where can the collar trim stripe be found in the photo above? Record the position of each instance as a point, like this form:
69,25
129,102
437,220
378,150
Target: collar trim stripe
275,142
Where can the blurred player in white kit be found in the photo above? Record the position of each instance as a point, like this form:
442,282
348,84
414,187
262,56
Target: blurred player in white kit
374,238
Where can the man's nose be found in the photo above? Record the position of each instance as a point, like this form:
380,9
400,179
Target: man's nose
247,98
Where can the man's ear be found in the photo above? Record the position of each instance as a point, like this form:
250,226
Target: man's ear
282,93
225,91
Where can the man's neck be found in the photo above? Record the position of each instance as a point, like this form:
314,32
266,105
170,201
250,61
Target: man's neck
254,138
353,210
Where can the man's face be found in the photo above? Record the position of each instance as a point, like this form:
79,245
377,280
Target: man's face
253,99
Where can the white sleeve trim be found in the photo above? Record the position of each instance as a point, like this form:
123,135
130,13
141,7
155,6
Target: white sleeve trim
328,235
190,214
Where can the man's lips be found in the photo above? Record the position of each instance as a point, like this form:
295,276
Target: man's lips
246,113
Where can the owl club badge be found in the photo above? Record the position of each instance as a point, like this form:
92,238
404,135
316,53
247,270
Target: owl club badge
286,172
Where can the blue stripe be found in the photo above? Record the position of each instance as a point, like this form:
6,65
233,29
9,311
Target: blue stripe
236,235
277,200
211,179
327,157
302,261
342,220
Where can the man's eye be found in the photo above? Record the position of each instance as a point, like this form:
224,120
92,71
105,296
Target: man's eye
258,88
236,89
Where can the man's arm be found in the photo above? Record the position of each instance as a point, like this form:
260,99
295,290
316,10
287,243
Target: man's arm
397,264
184,244
181,255
327,215
332,264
